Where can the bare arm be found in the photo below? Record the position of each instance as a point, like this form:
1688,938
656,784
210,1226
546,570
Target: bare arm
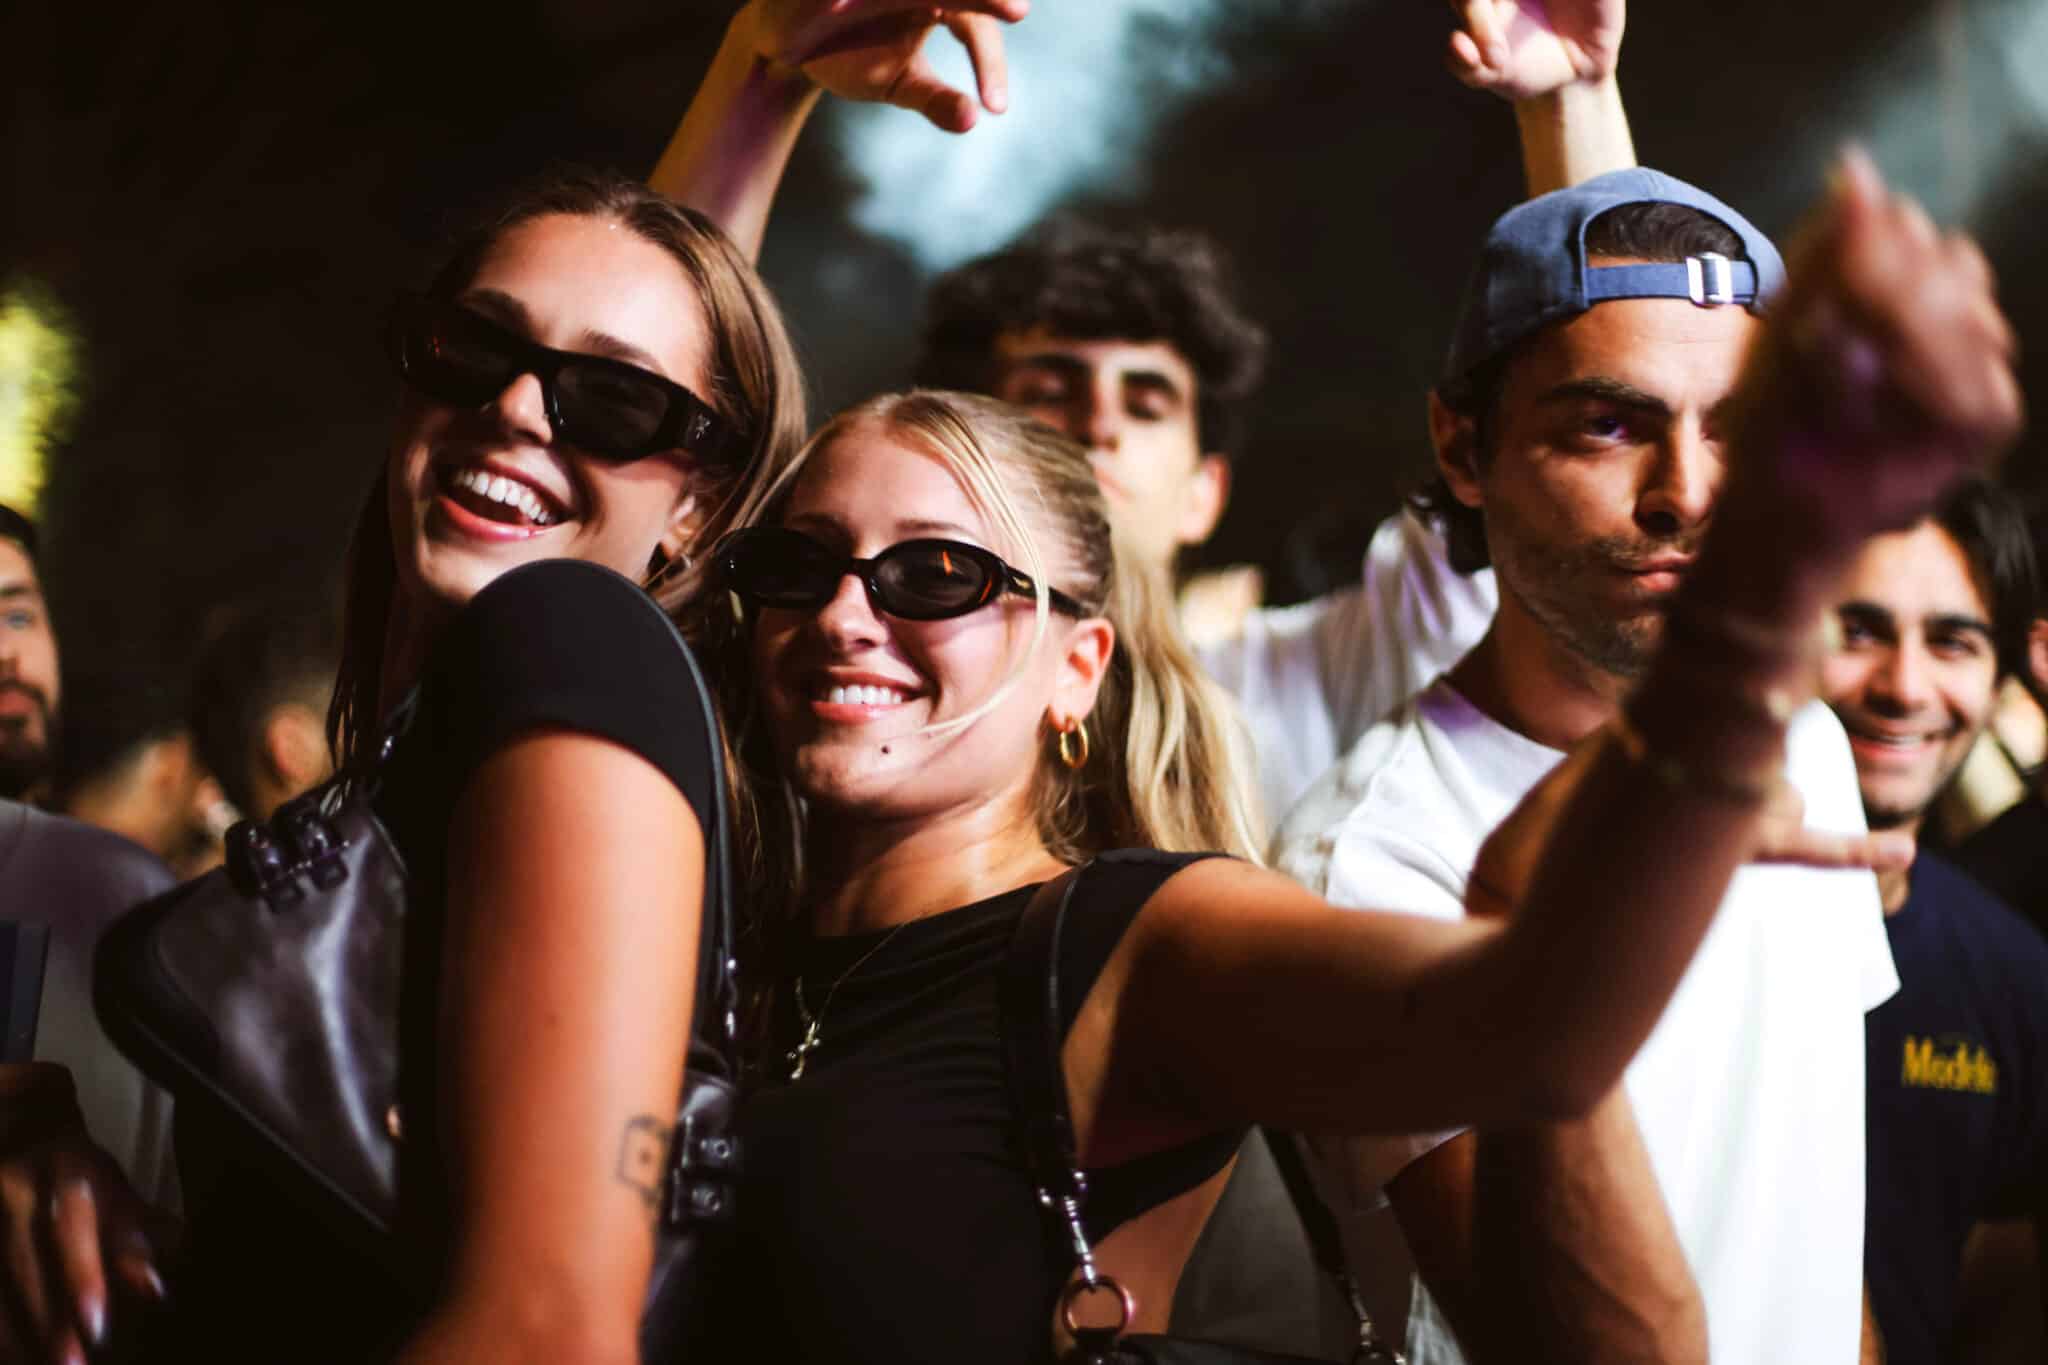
1556,61
575,874
1999,1294
1572,135
1574,1245
1861,403
1552,1244
728,155
1870,1348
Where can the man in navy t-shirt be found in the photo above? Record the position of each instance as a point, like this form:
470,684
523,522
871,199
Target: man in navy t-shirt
1933,618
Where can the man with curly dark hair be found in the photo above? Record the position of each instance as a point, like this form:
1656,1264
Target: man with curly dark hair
1132,342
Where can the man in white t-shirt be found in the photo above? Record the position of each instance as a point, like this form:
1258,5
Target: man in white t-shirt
1311,678
1577,434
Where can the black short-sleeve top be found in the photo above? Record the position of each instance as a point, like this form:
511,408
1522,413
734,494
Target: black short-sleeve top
561,644
885,1210
557,644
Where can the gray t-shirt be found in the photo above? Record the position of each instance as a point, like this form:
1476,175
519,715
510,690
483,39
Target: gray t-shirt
75,878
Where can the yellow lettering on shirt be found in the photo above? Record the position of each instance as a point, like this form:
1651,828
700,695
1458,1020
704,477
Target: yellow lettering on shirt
1964,1068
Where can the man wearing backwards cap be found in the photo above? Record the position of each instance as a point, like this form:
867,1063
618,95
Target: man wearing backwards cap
1578,433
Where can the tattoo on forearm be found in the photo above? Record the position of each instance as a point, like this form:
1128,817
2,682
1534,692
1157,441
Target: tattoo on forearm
643,1157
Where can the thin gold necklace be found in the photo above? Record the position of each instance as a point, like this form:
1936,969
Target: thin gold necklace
800,1055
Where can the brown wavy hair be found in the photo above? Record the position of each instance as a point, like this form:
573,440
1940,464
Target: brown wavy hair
756,384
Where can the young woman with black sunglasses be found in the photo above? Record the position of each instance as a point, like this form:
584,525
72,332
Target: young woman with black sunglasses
593,384
947,688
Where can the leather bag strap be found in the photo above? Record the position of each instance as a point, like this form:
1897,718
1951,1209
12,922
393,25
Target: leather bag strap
1030,1006
1326,1243
1029,1003
715,1019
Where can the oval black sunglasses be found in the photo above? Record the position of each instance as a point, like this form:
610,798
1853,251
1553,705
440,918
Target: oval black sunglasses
917,580
612,409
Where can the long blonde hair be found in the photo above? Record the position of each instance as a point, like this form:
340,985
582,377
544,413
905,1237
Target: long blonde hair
1170,764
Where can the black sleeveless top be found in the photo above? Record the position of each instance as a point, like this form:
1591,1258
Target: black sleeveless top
885,1213
559,643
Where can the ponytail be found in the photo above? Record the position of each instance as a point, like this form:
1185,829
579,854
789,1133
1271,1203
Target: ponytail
1169,770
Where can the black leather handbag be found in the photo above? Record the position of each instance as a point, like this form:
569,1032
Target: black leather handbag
1032,1044
269,990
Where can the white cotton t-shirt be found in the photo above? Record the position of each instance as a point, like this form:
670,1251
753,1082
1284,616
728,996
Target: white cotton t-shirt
1312,678
1750,1090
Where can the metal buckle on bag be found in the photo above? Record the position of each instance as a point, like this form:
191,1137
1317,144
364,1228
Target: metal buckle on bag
300,841
703,1167
1710,279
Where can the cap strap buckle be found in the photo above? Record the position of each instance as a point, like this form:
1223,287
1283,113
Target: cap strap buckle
1710,279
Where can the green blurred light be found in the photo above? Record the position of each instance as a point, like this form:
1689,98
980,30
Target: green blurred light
38,364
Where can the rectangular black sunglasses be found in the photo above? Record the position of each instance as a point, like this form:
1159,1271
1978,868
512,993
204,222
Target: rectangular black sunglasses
916,580
614,410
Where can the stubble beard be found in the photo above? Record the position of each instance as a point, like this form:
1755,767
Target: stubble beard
1881,816
1558,586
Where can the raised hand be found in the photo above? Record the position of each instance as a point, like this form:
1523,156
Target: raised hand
1519,49
1883,374
873,50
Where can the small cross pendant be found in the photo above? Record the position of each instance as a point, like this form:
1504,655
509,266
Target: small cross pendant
801,1053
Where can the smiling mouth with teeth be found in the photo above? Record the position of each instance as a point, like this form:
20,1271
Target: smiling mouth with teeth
863,696
497,498
1900,742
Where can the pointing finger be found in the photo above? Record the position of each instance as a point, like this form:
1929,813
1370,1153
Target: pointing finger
1886,851
983,39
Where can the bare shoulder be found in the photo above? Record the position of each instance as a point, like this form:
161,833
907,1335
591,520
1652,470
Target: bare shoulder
1218,901
1225,880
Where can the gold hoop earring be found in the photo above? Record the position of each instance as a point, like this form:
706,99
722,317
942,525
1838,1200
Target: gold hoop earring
1073,744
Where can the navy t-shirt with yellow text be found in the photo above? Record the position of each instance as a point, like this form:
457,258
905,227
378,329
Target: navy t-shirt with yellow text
1958,1112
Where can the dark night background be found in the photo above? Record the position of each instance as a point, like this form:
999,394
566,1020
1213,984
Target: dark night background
222,196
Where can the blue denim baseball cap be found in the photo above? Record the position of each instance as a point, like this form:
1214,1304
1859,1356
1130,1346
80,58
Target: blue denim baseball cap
1533,272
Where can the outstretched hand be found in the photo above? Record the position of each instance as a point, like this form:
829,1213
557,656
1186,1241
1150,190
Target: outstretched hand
1507,860
1785,837
1883,374
873,51
1520,49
